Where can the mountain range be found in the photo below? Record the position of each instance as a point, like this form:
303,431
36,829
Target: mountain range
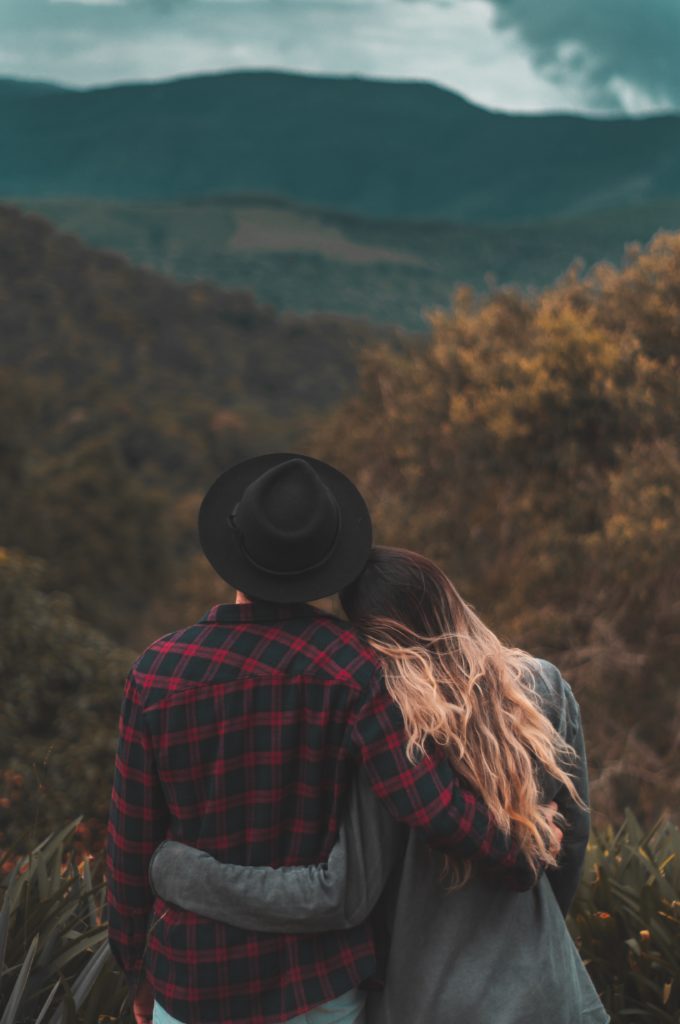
395,150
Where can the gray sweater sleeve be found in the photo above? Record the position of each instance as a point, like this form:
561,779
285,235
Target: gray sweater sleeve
322,897
562,708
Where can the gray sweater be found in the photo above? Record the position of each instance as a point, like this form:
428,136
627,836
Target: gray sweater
481,955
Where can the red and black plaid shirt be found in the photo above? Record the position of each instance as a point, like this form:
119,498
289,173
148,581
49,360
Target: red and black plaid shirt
238,735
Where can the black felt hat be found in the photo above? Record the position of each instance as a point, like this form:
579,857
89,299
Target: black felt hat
285,527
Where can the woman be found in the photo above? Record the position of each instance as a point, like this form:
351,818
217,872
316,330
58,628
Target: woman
457,946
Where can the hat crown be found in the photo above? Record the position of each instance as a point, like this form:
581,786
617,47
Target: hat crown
285,527
287,520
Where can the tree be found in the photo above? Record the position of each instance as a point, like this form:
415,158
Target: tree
531,447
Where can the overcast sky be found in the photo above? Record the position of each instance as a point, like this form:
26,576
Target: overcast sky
588,55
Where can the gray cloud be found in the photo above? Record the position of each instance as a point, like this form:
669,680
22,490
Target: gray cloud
626,53
508,54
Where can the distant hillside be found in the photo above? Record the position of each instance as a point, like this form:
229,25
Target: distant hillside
123,394
26,87
164,360
406,151
307,259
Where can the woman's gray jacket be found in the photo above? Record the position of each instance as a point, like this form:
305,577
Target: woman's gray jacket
480,955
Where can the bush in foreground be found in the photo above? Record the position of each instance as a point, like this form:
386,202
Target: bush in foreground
56,966
626,920
55,963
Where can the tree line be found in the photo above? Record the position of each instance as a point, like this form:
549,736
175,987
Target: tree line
529,444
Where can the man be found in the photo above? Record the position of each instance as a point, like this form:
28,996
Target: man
239,735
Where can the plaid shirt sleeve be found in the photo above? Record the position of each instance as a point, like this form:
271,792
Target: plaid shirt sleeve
428,795
138,820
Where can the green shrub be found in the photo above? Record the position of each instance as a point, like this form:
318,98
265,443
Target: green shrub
626,920
56,966
62,684
55,963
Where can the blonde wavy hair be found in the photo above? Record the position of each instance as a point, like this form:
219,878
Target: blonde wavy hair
459,687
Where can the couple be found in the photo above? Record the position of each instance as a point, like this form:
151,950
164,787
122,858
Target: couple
342,822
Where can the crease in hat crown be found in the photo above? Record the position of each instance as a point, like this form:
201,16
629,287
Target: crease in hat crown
290,514
285,527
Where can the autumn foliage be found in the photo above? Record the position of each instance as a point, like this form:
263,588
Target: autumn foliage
531,447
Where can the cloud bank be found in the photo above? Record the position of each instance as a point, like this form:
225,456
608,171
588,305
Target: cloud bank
625,53
523,55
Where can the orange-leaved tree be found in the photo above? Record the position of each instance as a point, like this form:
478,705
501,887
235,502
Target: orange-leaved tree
531,448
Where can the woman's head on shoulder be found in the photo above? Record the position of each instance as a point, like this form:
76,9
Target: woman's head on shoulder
405,590
458,686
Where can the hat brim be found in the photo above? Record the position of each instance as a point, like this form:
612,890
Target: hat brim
222,549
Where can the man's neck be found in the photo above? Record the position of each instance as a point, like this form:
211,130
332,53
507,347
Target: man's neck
241,598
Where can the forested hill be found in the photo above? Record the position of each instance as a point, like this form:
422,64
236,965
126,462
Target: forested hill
89,317
123,393
386,149
310,260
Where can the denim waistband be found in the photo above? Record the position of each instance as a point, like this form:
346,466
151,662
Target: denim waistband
345,1009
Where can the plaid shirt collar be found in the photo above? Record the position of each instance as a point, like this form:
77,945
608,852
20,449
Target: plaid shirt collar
263,611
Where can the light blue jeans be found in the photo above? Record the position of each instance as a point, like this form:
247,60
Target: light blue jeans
346,1009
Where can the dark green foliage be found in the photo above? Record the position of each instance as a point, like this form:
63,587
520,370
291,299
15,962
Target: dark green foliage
62,684
385,149
309,260
55,961
626,921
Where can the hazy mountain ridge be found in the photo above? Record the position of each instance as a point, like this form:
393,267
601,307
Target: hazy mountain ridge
396,150
27,87
309,259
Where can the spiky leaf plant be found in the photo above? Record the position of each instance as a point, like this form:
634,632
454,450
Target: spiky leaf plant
626,921
55,963
56,966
